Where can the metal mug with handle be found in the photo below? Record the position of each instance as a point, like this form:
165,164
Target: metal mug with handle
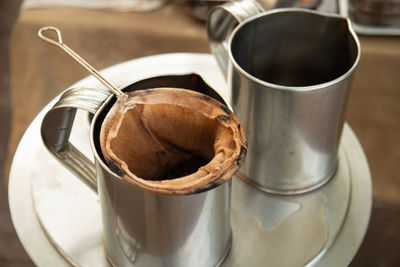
289,71
142,228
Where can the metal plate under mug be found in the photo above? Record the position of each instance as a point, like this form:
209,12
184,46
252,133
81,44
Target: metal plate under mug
53,211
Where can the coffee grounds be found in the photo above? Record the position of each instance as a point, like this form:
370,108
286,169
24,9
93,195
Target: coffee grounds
180,170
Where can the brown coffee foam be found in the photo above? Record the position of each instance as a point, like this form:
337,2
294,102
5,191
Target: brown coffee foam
152,132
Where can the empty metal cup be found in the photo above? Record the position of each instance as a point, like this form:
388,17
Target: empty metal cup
289,71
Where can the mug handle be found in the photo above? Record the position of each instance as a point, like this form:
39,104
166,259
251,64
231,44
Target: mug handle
220,23
56,129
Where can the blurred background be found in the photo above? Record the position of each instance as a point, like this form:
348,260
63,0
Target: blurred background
373,109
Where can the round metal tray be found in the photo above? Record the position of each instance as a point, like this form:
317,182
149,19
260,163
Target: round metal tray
58,219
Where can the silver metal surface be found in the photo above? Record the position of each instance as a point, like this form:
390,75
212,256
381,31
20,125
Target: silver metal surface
57,125
52,211
289,89
160,230
221,22
142,228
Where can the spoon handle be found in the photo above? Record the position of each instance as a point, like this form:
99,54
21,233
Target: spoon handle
58,42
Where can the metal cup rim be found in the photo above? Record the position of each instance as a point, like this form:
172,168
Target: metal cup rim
307,88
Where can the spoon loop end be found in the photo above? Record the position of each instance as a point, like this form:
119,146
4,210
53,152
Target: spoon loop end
57,41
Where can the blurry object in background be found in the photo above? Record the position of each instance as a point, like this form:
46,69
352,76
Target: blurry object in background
311,4
199,8
118,5
375,12
363,22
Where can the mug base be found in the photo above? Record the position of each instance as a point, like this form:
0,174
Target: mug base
226,253
294,191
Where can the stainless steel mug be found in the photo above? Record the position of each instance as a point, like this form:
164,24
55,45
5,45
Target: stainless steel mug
289,71
142,228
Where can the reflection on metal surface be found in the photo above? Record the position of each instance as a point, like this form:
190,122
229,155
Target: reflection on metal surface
302,235
170,229
259,220
394,29
129,245
61,118
283,192
277,225
70,214
289,89
268,209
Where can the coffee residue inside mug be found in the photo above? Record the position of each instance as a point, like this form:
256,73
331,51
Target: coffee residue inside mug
174,139
180,170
